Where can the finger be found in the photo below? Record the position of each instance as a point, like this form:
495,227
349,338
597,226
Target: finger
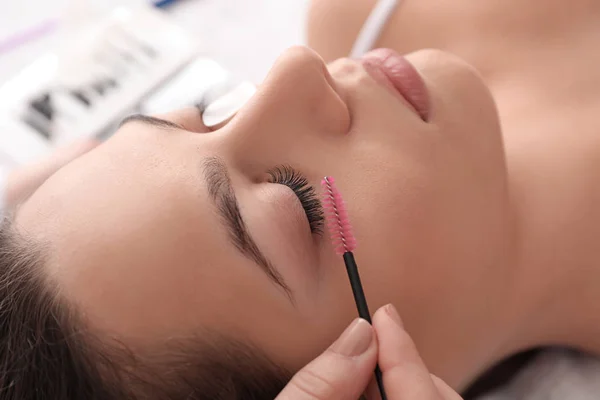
404,373
445,391
342,372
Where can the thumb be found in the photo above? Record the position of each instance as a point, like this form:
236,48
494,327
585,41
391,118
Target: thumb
342,372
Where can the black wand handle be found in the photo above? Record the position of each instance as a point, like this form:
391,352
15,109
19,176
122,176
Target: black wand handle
363,308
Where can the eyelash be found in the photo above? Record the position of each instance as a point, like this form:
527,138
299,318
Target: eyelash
287,176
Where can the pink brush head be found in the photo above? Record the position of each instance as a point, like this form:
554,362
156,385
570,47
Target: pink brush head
337,218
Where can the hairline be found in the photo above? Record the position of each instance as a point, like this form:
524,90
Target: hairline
115,363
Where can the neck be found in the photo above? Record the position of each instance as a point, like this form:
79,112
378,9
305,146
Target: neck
555,187
559,286
554,180
548,107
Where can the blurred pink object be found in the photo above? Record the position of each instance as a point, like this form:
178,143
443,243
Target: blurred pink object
21,38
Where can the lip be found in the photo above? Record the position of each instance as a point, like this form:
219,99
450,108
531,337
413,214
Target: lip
396,73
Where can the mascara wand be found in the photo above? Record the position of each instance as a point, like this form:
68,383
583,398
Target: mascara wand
344,244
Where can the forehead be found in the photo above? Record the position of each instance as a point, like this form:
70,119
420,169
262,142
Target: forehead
109,180
124,225
136,246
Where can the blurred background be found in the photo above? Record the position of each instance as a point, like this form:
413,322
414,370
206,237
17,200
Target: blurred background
245,36
71,69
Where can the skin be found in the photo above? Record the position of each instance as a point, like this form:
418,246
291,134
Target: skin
455,219
22,182
355,353
537,62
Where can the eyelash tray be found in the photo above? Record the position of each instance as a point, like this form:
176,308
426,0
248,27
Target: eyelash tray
134,60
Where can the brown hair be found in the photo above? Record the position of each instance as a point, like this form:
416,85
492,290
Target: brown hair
47,352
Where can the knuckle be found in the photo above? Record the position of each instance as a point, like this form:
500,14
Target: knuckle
314,385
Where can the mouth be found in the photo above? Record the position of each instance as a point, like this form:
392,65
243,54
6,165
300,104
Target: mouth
397,74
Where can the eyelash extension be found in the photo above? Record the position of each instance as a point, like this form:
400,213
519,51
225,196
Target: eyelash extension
287,176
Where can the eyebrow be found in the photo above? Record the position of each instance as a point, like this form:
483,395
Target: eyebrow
223,197
153,121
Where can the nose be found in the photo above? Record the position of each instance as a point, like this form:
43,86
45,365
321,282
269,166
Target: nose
296,110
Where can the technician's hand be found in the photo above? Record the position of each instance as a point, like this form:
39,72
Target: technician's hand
345,369
22,182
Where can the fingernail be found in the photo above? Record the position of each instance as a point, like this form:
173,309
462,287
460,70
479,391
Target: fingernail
355,340
393,314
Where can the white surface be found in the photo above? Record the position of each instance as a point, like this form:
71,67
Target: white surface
226,106
90,58
224,27
245,36
179,93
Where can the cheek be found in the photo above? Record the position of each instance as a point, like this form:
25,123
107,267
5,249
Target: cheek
296,339
430,222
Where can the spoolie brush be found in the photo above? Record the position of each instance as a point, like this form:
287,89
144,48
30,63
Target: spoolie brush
344,244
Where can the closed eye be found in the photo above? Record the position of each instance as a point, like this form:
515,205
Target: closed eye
306,193
223,197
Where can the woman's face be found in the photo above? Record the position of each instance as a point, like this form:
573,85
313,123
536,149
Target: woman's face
145,237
